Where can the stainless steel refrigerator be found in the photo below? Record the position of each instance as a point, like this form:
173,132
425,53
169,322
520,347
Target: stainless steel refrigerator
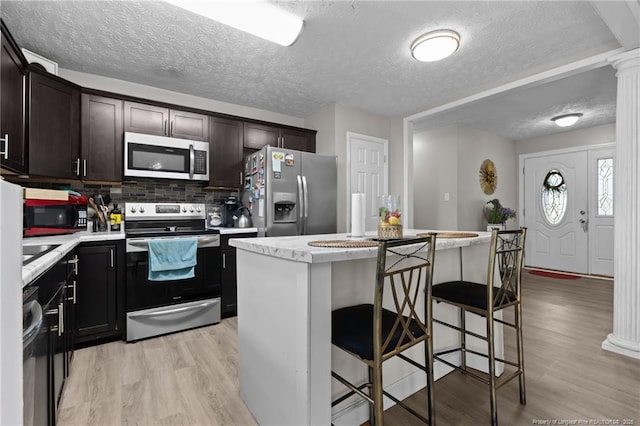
291,192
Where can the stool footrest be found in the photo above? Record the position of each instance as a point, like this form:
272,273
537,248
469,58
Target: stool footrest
354,390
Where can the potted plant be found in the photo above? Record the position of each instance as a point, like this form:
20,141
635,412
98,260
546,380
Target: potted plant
496,214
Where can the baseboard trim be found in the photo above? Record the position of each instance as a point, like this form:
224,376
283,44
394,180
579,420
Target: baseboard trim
355,410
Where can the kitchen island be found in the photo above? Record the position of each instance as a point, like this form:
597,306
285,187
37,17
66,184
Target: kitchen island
286,292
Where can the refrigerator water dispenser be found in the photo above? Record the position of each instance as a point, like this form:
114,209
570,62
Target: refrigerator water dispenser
284,207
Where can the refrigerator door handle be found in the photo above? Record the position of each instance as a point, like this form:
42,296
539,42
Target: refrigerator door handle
305,190
299,228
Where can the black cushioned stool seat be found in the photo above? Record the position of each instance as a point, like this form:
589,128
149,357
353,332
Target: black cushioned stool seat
352,330
470,294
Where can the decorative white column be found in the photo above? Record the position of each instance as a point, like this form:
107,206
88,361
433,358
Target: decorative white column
625,338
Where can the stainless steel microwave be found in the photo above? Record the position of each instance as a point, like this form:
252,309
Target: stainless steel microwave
166,158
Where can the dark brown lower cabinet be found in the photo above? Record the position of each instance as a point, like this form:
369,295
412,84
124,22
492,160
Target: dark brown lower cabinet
99,286
229,279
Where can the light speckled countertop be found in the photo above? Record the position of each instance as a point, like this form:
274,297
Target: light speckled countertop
296,248
67,242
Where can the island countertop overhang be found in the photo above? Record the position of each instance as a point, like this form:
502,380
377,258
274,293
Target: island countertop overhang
297,248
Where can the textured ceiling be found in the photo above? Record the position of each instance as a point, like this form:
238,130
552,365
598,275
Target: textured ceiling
526,112
351,52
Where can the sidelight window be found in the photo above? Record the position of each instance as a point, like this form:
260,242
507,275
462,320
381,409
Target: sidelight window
554,197
605,187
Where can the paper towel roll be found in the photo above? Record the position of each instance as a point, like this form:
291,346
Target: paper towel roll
357,215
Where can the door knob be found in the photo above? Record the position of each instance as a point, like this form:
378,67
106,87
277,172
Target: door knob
583,212
584,223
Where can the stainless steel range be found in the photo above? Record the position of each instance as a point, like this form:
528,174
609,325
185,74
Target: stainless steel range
156,307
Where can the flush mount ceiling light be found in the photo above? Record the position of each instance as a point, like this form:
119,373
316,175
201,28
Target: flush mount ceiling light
567,119
257,17
435,45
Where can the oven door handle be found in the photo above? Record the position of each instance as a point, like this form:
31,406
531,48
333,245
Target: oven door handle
36,322
144,244
175,311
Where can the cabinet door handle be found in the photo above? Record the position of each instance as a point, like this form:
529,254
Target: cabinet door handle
281,141
6,146
78,167
84,166
74,262
241,180
224,260
164,128
171,128
75,284
60,319
111,256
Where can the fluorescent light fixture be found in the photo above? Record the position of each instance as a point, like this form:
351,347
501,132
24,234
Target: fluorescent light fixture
435,45
567,119
259,18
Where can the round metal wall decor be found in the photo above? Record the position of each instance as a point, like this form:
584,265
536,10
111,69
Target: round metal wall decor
488,177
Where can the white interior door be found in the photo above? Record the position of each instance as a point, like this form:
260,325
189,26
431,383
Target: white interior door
601,211
368,174
557,214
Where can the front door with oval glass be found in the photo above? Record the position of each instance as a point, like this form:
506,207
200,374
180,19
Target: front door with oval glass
556,212
568,206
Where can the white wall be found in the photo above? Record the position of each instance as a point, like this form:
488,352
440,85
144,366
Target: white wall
324,121
396,157
448,160
156,94
570,139
435,172
474,146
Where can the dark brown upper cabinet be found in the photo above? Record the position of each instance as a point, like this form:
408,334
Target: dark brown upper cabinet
258,135
102,138
54,127
156,120
299,140
225,153
12,109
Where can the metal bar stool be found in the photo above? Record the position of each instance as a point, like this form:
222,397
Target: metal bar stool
506,253
374,334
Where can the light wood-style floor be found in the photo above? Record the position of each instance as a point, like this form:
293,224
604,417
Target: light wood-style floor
191,378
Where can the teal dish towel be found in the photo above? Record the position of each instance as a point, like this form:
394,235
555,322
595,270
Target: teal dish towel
172,259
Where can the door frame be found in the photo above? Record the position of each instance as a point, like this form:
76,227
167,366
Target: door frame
588,149
372,139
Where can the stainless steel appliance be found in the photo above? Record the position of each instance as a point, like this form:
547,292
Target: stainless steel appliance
165,158
159,307
34,344
291,192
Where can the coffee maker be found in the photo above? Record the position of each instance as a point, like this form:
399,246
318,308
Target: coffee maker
230,210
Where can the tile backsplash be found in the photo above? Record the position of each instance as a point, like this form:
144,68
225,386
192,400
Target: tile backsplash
145,192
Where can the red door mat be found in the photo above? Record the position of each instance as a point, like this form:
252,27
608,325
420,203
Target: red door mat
549,274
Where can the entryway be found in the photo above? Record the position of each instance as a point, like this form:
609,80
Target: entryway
368,174
568,208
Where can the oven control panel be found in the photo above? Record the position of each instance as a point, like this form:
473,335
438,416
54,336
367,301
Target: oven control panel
159,211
